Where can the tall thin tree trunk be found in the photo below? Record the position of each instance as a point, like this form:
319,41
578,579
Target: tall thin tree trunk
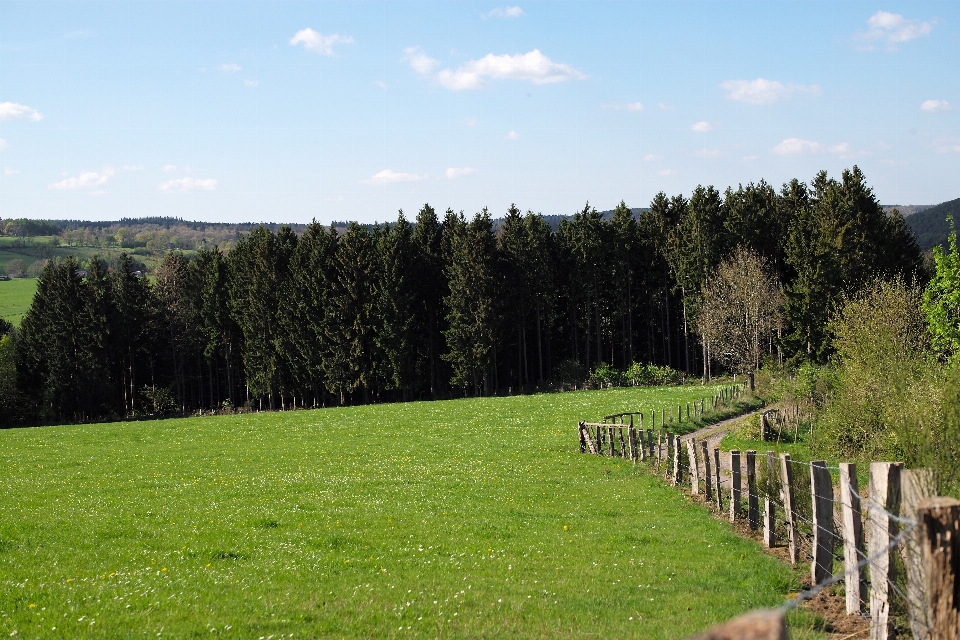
539,347
596,310
686,334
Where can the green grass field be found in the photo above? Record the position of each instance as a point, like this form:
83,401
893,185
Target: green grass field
15,298
467,518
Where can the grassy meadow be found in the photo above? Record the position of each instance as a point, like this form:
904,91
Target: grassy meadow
466,518
15,298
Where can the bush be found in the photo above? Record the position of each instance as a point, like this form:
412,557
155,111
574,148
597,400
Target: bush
645,375
16,268
158,400
606,376
567,372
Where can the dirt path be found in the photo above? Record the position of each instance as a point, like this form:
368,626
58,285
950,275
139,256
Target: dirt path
715,432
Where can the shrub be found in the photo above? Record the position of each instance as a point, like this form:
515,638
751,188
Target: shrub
606,376
567,372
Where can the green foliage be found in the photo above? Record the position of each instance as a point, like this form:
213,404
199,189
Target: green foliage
649,374
606,375
568,371
941,300
886,385
290,523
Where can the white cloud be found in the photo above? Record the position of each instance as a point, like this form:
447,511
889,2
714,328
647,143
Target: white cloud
629,106
189,184
472,122
511,135
750,158
419,61
381,84
169,167
85,180
797,146
533,66
251,84
666,172
762,91
506,12
317,42
947,145
701,127
3,144
14,111
229,68
389,177
459,172
97,193
934,106
894,29
10,171
665,106
652,158
707,153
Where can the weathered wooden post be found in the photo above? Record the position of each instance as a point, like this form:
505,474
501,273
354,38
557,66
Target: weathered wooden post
769,531
694,472
854,580
677,467
623,445
763,426
707,481
939,521
599,440
650,443
679,414
753,506
688,411
613,449
821,492
885,499
716,466
659,448
583,441
915,485
789,506
735,510
632,438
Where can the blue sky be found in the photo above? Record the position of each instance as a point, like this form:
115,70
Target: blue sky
274,111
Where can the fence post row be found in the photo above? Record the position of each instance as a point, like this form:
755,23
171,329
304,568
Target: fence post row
855,581
885,498
677,467
821,491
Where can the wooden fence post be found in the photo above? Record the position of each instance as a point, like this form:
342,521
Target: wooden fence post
752,506
707,481
855,581
789,506
884,497
716,466
650,443
583,441
735,511
939,520
632,438
599,440
677,467
613,450
688,411
915,485
694,472
659,448
769,532
821,493
623,445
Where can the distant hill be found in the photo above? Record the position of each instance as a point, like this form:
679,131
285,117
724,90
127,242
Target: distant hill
930,225
907,210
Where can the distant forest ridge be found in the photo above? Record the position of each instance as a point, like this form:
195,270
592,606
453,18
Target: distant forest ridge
928,223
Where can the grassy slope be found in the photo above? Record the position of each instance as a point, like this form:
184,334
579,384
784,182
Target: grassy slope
15,298
465,518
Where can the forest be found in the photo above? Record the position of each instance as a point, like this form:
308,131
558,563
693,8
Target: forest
447,305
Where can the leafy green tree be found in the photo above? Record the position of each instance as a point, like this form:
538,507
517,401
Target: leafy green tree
941,299
395,297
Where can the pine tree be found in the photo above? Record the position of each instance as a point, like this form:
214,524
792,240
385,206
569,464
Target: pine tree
430,288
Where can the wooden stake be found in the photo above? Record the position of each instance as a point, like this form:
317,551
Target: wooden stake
789,506
821,491
694,472
677,468
769,534
916,484
632,438
753,507
940,524
884,497
855,579
707,481
716,466
735,508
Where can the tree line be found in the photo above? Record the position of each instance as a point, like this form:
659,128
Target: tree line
446,305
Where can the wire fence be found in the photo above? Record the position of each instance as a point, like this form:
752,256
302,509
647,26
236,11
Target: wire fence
870,541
